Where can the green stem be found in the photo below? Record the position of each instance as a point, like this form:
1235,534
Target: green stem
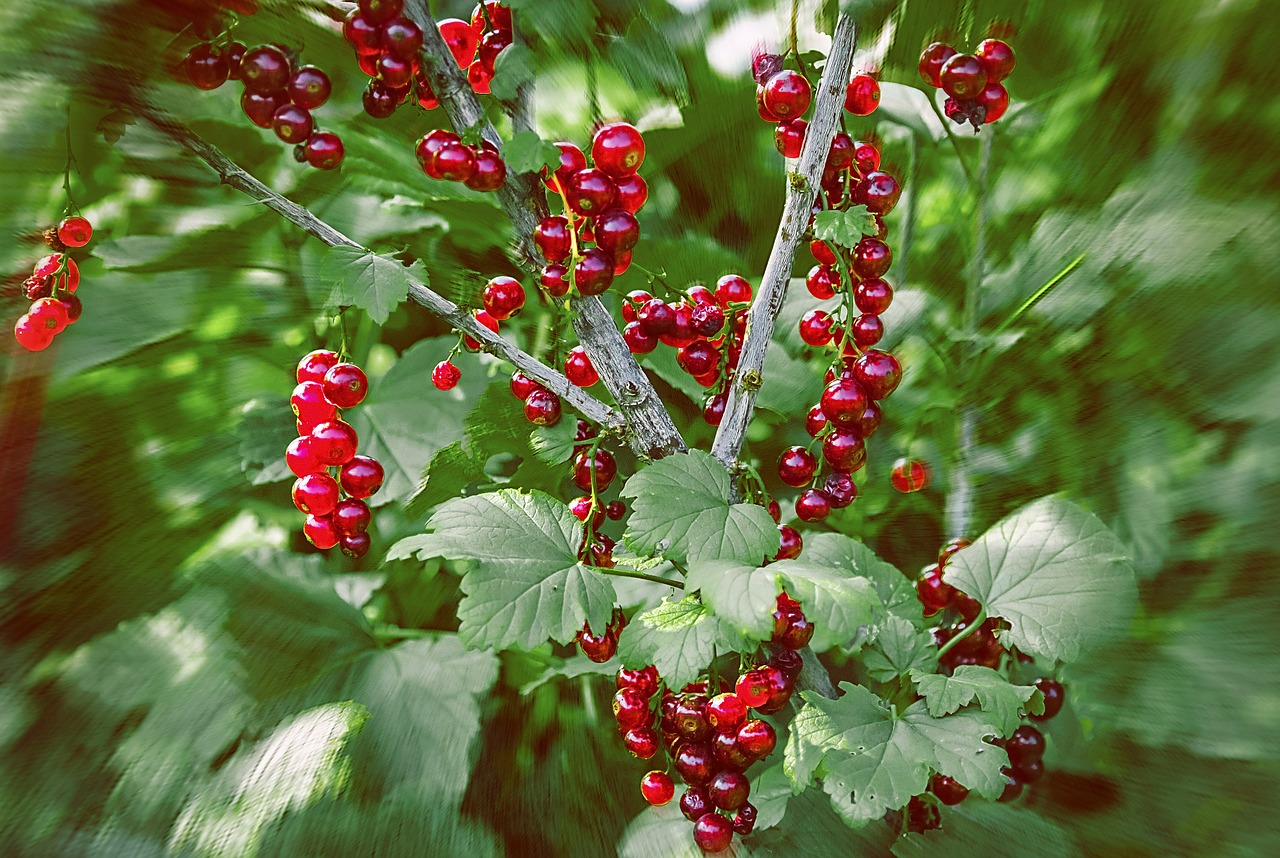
1041,292
909,192
66,171
968,630
641,576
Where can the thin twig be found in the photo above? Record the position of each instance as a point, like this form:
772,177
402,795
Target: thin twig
802,187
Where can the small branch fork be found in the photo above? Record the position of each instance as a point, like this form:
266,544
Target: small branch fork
795,218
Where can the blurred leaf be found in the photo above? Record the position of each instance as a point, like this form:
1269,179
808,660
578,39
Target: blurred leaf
570,668
909,107
265,430
994,830
513,69
451,469
645,58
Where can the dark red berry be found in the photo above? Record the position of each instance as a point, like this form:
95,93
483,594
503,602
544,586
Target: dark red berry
712,832
206,67
656,318
787,94
843,450
522,385
402,38
292,124
948,790
598,648
571,161
788,661
789,137
862,95
264,70
324,150
1054,696
878,373
552,238
542,408
590,192
707,320
791,545
502,296
490,172
380,11
694,763
935,594
632,193
726,712
997,58
445,376
597,471
657,788
320,532
555,280
594,272
361,477
618,149
351,517
728,790
309,87
963,76
261,107
617,231
792,629
932,59
815,328
345,385
843,401
1012,787
840,487
796,466
813,505
698,358
1026,744
744,822
488,321
732,289
694,803
757,739
823,281
880,192
355,545
454,162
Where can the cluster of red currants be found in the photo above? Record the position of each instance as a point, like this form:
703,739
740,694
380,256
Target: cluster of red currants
600,205
279,94
978,647
783,97
442,155
593,470
52,285
324,442
502,298
600,648
971,81
710,740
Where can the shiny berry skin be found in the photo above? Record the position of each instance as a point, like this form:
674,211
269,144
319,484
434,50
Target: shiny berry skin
522,385
997,58
590,191
788,137
74,308
815,328
617,231
361,477
724,747
694,763
480,77
867,330
698,358
1025,745
542,408
571,162
757,739
823,281
792,629
862,95
656,317
488,321
301,458
445,376
707,320
657,788
490,171
632,193
878,373
551,236
963,76
644,680
796,466
47,266
638,341
787,94
792,544
351,517
320,532
401,38
843,401
582,508
345,385
732,289
788,661
744,821
379,100
866,157
752,688
843,450
871,258
50,313
364,35
1012,787
822,253
461,39
947,790
356,545
618,149
264,69
310,405
32,334
932,59
880,192
869,421
578,368
427,147
555,280
713,833
594,272
841,155
909,475
873,296
502,296
994,99
630,708
491,45
292,124
728,790
815,421
380,11
726,712
206,67
694,803
333,442
934,593
1054,696
597,648
454,162
1029,771
813,505
689,718
309,87
324,150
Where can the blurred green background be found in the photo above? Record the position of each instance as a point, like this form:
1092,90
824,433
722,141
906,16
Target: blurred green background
183,675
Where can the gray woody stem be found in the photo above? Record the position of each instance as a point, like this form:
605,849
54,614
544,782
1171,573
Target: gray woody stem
795,219
234,175
653,434
958,514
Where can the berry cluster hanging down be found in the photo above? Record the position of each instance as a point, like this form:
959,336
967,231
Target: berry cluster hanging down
335,508
972,82
51,287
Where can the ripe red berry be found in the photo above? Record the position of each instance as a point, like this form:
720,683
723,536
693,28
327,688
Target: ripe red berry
578,368
823,281
744,822
994,99
1026,744
656,318
488,321
598,648
997,58
791,544
871,258
351,517
630,708
843,401
726,713
364,35
657,788
880,192
380,11
264,70
571,161
310,405
815,328
752,688
542,408
49,312
324,150
445,376
698,358
862,95
292,124
345,385
732,289
963,76
728,790
796,466
757,739
75,231
356,545
333,443
813,505
461,39
594,272
873,295
522,385
868,330
932,59
618,149
492,44
555,280
602,466
552,238
815,421
787,94
502,296
590,191
632,193
454,162
361,477
694,763
206,67
32,334
617,231
789,137
48,266
301,458
792,629
638,341
948,790
1054,696
844,450
712,832
320,532
934,593
694,803
490,172
909,475
309,88
878,373
402,38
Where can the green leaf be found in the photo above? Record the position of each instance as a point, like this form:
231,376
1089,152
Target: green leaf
741,595
265,430
900,648
1002,700
680,509
664,831
554,444
512,70
839,604
677,637
525,584
845,228
992,831
835,550
871,759
770,793
526,152
375,284
450,471
1056,573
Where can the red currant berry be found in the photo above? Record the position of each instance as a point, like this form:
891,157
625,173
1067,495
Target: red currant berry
878,373
491,45
1029,772
712,832
402,38
1026,744
488,321
51,313
789,137
324,150
843,401
994,99
522,385
74,308
752,689
732,289
867,330
694,803
791,544
791,629
542,408
380,11
292,124
356,545
498,15
445,376
694,763
698,358
632,193
796,466
617,231
823,281
657,788
909,475
555,280
871,258
310,404
822,253
320,531
594,272
364,35
963,76
578,368
75,231
206,67
552,238
334,442
815,328
630,708
455,162
618,149
490,171
351,517
638,342
843,450
757,739
744,821
49,265
502,296
813,505
345,385
934,593
32,334
601,470
644,680
301,458
1054,696
787,94
590,191
1012,787
598,648
726,713
264,70
656,318
309,88
724,748
582,507
571,162
361,477
461,39
862,95
815,421
880,192
873,296
997,58
932,59
788,661
948,790
728,790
